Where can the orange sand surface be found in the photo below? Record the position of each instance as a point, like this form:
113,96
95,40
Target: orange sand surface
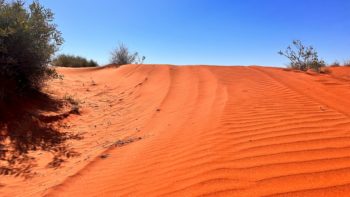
161,130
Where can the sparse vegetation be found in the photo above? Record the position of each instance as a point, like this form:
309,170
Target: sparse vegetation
73,61
28,39
347,63
121,56
325,70
335,64
93,83
75,103
302,57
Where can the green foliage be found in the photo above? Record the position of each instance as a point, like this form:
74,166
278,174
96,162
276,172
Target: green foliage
28,39
121,56
73,61
302,57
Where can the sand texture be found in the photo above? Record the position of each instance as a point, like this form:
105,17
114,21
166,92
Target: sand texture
162,130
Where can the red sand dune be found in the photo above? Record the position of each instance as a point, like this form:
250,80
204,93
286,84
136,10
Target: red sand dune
201,131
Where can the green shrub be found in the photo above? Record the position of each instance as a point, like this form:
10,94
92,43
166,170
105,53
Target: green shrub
28,39
73,61
121,56
302,57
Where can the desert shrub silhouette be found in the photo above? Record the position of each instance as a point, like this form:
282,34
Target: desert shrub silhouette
335,64
73,61
28,38
302,57
121,55
347,63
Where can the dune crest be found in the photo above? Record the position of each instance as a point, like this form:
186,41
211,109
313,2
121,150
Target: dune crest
161,130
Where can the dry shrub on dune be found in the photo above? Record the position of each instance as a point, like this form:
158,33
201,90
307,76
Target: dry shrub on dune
347,63
121,56
335,64
302,57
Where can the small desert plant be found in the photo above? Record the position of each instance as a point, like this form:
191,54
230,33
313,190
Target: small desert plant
335,64
75,103
302,57
71,99
93,83
73,61
325,70
121,55
347,63
28,39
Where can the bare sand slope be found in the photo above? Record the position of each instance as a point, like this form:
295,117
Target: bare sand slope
203,131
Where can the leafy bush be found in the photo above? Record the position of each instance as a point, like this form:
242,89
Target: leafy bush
121,55
73,61
302,57
28,38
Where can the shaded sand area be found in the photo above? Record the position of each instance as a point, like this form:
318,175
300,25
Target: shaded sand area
161,130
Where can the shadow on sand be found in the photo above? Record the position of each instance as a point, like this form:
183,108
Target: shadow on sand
24,129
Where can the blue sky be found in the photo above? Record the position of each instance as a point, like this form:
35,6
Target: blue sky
218,32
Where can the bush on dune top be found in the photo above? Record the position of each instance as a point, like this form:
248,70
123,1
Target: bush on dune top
335,64
121,56
303,57
347,63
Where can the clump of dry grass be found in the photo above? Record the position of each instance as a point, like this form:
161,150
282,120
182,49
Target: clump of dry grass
75,103
325,70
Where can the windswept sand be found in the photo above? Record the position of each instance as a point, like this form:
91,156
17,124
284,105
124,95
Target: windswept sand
200,131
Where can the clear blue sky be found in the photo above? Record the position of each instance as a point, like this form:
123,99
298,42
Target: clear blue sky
219,32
